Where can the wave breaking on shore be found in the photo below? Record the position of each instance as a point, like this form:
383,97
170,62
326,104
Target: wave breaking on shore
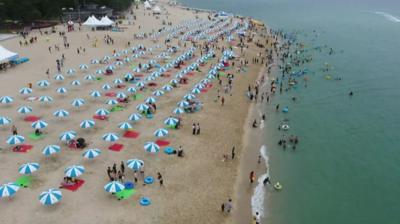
258,197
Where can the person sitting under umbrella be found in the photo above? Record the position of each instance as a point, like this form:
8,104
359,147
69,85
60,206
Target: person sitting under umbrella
68,181
38,132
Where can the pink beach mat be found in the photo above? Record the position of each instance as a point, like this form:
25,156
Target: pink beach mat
31,118
131,134
73,187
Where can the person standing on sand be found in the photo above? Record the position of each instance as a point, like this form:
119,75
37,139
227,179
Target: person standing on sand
198,129
233,152
228,206
14,130
222,101
122,167
252,176
160,179
193,129
109,173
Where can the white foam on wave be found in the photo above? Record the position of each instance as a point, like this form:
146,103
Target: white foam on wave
258,197
389,17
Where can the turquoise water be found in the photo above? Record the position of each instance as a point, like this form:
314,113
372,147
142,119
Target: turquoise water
346,168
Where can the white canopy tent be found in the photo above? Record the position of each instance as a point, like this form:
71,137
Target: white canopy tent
156,10
147,5
106,21
6,55
93,22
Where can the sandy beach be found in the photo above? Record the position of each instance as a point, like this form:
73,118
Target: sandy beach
194,186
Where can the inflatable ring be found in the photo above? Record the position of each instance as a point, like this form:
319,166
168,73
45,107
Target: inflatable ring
169,150
277,186
148,180
285,110
285,127
144,201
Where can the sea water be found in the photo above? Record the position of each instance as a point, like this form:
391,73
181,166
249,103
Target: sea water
347,165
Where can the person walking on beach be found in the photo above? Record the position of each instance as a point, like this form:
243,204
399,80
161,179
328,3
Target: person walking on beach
109,173
257,218
198,129
114,168
160,179
122,167
233,152
194,129
228,206
252,176
14,130
222,101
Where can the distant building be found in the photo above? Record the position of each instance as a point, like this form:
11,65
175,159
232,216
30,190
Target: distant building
83,12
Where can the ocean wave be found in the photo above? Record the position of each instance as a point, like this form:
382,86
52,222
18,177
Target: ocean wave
258,197
389,17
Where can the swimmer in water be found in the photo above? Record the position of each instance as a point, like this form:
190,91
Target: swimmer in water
351,93
255,123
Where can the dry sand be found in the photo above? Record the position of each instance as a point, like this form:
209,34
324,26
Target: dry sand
195,186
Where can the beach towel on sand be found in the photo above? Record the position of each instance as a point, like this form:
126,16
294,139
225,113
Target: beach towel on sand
24,148
116,147
117,108
31,118
24,181
125,194
162,143
73,187
110,94
131,134
100,117
33,136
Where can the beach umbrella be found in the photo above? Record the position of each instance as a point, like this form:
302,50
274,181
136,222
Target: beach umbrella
183,103
135,164
71,71
87,124
121,95
112,102
95,94
43,83
4,121
151,147
50,197
94,61
142,107
74,171
39,124
140,84
127,59
100,71
110,67
51,149
149,78
137,70
24,110
153,62
89,77
119,63
28,168
61,90
78,102
59,77
150,100
128,76
118,81
8,190
110,137
174,81
61,113
196,91
135,117
106,58
145,66
178,110
45,99
167,88
161,133
158,93
91,153
6,99
116,55
83,67
67,136
189,97
76,83
114,187
25,91
131,89
102,112
125,126
171,121
15,139
106,86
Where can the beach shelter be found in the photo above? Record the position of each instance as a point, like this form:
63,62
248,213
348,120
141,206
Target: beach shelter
92,22
147,5
106,21
156,10
50,197
6,55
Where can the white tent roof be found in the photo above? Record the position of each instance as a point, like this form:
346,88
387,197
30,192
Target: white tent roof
157,9
147,5
92,21
6,55
106,21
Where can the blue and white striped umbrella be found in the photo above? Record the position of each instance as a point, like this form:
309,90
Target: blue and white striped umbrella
106,86
39,124
51,149
110,137
43,83
91,153
100,71
189,97
8,190
95,94
196,91
87,124
178,110
45,99
114,187
102,112
149,78
112,102
6,99
210,76
131,89
24,110
183,103
25,91
106,58
78,102
171,121
151,147
110,67
140,84
71,71
61,90
135,164
83,67
173,81
167,88
89,77
61,113
135,117
59,77
127,59
153,62
28,168
95,61
116,55
128,76
67,136
119,63
50,197
76,83
137,70
125,126
150,100
118,81
158,93
74,171
145,66
4,121
161,133
15,139
142,107
121,95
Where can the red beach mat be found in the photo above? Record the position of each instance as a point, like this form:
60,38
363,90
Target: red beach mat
100,117
152,84
162,143
203,90
120,86
31,118
110,94
131,134
24,148
116,147
73,187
